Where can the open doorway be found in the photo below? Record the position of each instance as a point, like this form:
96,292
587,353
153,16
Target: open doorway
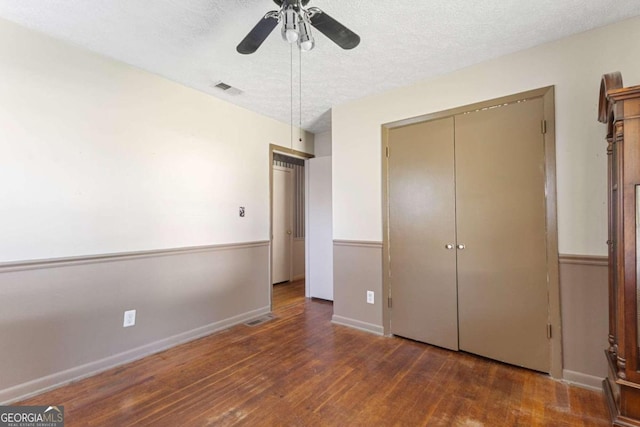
282,223
288,218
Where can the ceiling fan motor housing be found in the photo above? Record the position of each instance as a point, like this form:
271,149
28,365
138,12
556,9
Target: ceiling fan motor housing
293,3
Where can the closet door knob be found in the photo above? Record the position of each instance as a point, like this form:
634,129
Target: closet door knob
461,246
449,246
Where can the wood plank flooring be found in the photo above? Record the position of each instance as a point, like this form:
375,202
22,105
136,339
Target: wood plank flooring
285,294
300,370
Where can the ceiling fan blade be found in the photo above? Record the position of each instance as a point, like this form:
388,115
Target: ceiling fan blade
258,34
338,33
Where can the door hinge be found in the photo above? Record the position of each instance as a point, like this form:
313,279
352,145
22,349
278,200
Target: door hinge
549,331
543,127
389,302
387,151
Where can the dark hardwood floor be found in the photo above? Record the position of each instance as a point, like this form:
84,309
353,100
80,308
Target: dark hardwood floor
285,294
300,370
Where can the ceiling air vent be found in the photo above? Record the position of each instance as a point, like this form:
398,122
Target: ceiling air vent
226,88
223,86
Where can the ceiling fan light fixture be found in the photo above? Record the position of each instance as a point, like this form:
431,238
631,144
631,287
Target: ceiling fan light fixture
295,21
291,36
306,41
307,45
290,25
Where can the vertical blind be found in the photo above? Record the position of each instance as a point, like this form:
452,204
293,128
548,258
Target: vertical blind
297,166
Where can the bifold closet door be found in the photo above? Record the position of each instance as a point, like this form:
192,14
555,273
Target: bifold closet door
422,264
501,223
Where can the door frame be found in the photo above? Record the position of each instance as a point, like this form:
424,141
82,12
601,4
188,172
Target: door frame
273,148
288,189
553,284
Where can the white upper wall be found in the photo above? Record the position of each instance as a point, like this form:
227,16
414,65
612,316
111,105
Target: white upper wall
99,157
322,144
574,65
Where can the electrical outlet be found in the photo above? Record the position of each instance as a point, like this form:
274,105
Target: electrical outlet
370,297
129,318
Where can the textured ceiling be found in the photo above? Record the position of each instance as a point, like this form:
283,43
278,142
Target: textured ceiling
193,42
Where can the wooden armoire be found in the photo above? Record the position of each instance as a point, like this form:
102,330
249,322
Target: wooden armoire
619,108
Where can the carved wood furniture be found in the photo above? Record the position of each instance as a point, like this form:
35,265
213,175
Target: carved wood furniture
619,108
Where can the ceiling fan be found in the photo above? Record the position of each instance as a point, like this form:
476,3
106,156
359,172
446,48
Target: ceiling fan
296,27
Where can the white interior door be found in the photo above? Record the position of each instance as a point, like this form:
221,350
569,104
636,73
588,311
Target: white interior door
320,230
281,218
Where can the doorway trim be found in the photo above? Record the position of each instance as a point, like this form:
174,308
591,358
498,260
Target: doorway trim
553,285
273,148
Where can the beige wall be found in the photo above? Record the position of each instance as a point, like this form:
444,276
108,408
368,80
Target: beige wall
585,305
356,270
105,158
322,144
98,157
63,320
574,66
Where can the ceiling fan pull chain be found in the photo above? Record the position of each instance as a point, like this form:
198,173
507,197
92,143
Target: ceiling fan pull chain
300,93
291,57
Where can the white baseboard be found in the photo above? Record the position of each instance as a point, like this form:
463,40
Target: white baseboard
298,277
50,382
582,380
357,324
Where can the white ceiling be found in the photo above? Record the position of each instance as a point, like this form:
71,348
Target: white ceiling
193,42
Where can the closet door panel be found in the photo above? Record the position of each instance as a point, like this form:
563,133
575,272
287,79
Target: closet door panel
501,221
421,223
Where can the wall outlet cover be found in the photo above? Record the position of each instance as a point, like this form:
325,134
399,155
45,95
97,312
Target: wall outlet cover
370,297
129,318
